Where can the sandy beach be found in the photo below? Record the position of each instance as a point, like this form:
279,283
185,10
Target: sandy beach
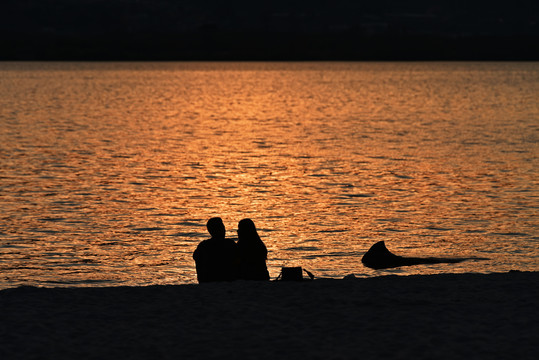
465,316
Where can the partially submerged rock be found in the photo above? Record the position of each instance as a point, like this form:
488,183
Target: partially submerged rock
379,257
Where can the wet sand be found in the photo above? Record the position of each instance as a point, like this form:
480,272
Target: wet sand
466,316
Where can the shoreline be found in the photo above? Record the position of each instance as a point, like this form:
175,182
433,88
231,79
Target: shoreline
419,316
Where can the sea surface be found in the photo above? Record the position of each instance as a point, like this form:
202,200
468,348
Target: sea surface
109,171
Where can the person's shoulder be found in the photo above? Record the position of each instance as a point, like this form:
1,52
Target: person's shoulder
201,250
204,244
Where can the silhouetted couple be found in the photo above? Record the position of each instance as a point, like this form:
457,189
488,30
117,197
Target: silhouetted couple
222,259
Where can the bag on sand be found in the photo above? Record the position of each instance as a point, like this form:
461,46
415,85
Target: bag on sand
293,274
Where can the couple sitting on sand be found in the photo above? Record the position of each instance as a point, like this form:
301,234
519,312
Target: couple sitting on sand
221,259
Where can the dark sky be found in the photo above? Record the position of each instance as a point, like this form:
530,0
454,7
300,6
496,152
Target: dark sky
269,30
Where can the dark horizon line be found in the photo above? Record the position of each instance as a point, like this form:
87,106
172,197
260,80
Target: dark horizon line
271,47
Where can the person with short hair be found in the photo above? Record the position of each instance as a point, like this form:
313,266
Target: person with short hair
216,258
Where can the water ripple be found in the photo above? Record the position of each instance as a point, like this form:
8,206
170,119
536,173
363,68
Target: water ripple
115,185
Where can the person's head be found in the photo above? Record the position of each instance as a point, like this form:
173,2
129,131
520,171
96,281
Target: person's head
247,228
216,228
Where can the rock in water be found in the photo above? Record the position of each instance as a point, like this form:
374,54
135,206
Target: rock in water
379,257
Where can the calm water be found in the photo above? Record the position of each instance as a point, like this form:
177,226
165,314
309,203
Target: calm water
109,171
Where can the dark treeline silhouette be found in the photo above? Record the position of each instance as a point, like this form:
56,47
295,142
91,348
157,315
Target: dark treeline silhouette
277,30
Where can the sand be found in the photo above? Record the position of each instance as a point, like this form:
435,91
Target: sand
465,316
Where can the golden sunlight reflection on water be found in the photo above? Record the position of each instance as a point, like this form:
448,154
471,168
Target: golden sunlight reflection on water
110,170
